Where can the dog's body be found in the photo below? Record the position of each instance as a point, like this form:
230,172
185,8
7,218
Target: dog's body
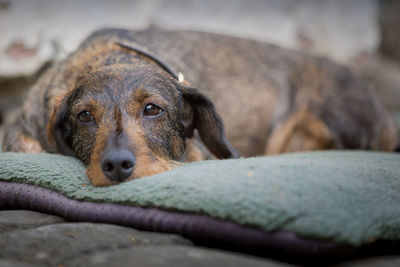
271,100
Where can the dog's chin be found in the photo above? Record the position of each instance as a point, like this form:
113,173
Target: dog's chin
98,179
149,170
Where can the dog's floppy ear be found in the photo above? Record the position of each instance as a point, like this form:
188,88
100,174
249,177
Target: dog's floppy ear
58,128
199,113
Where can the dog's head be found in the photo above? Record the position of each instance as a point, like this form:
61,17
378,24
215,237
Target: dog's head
127,121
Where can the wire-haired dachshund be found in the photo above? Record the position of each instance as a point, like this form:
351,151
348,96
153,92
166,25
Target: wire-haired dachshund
118,105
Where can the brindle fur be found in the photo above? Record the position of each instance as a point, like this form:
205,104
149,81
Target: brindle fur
272,100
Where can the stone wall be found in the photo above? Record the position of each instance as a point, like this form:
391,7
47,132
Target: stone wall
34,32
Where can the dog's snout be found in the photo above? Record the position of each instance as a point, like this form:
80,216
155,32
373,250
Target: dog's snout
117,165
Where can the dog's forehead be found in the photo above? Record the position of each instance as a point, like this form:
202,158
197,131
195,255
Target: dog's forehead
123,80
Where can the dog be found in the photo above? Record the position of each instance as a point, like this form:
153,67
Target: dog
127,104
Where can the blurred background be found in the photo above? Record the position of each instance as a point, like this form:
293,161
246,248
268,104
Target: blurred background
361,34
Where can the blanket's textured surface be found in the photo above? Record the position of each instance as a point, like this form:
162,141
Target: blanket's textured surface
351,198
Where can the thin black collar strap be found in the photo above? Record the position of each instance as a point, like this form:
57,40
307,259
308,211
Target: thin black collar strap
155,59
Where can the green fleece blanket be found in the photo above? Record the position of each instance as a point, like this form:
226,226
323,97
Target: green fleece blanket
346,197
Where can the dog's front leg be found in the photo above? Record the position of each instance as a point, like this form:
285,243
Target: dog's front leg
16,141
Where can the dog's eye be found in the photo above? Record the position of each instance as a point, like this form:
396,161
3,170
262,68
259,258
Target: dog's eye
85,116
152,110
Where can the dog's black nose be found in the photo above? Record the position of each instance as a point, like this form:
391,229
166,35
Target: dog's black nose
117,165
